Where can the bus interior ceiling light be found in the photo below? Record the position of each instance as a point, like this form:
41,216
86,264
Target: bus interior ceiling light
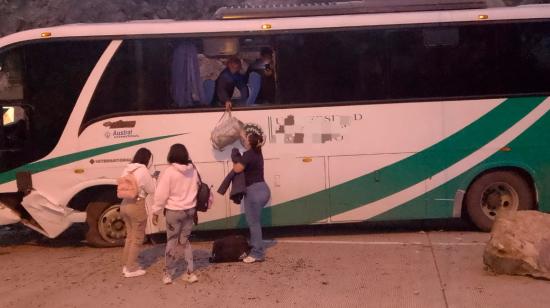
45,34
266,26
483,17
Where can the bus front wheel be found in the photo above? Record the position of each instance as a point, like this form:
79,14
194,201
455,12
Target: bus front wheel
497,191
105,225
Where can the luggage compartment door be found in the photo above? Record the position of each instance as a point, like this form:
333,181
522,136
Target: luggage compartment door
369,187
298,192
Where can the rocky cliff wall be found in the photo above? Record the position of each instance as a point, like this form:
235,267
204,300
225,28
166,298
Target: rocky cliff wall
17,15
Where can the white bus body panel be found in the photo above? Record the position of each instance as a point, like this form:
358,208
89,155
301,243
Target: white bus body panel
325,146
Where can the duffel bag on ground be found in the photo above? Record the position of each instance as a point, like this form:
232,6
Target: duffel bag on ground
232,248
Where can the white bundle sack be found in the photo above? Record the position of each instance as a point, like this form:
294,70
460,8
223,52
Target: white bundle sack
227,131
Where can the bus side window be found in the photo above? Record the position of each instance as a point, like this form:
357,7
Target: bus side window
331,67
526,57
154,75
137,79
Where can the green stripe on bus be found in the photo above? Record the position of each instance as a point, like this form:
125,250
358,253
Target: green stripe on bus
393,178
71,158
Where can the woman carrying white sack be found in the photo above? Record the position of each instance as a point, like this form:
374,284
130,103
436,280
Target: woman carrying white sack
176,194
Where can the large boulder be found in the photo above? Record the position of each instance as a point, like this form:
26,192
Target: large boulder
520,244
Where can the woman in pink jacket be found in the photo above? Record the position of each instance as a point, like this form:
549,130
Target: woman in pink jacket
176,194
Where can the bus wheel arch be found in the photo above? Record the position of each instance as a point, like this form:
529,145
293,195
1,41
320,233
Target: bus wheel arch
105,225
494,189
80,200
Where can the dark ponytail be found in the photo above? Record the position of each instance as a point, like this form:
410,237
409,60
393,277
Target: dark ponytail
256,142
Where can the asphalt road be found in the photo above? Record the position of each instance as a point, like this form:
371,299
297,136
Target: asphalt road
318,267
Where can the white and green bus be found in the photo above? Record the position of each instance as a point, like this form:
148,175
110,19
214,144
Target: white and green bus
379,113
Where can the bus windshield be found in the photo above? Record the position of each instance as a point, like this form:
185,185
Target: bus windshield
39,85
11,85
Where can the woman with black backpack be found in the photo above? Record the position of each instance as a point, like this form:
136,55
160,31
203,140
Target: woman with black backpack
176,194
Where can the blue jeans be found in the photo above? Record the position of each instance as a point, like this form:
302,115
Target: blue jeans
257,196
178,229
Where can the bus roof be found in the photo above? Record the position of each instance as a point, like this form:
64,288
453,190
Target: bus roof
212,27
349,7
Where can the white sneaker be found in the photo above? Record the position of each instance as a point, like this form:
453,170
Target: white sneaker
249,259
135,273
166,279
190,277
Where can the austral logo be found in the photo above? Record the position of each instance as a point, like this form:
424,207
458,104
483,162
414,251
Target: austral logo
124,134
120,124
120,129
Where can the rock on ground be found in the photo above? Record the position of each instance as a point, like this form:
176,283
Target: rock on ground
520,244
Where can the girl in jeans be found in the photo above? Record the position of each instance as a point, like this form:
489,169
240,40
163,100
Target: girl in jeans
257,193
134,214
177,194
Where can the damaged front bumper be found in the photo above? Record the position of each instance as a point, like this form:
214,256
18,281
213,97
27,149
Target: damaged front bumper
7,215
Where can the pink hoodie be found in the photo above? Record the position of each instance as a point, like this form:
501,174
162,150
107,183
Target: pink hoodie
177,188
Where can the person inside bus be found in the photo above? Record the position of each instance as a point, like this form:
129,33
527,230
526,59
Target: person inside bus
257,192
229,79
264,67
133,212
176,194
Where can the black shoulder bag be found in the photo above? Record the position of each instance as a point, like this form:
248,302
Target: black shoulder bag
203,194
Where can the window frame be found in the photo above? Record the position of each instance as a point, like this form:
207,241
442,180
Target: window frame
279,105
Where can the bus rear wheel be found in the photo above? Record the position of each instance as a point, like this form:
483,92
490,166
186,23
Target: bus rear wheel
106,227
497,191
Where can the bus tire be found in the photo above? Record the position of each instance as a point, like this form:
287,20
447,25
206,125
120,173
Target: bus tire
105,225
495,191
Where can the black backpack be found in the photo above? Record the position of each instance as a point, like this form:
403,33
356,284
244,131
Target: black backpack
232,248
203,194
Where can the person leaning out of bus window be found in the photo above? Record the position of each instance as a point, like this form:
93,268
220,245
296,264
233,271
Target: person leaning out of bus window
264,67
176,194
134,214
229,79
257,193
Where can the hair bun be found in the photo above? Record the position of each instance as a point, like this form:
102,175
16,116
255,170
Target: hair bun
254,129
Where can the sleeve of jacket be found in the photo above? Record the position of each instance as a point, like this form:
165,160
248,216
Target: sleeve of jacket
236,155
224,186
222,84
243,88
162,193
238,184
238,188
148,184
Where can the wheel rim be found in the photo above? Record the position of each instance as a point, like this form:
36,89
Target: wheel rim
111,225
499,197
